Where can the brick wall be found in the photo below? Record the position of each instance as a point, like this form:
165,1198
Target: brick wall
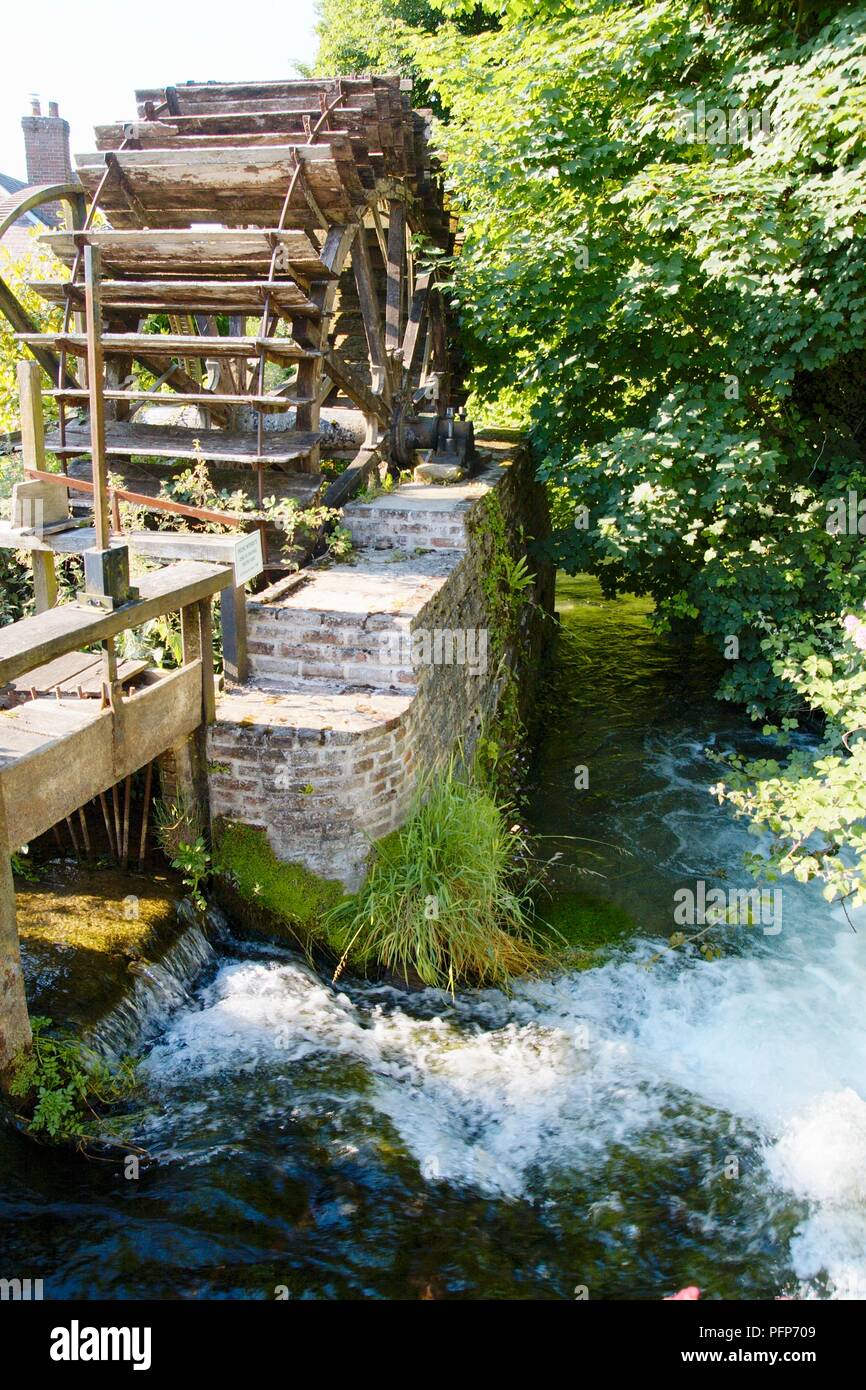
324,746
46,149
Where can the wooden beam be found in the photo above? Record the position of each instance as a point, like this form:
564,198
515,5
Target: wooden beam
32,642
394,288
416,315
95,384
369,302
32,423
85,749
233,621
346,378
352,479
22,323
197,640
14,1018
44,579
126,191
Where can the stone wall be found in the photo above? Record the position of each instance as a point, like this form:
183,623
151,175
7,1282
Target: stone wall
324,744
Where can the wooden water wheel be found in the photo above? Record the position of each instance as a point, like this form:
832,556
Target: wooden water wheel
253,258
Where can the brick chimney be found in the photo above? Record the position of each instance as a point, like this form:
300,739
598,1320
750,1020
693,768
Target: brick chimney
46,145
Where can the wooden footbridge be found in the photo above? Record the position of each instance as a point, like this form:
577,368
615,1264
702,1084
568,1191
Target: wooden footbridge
245,285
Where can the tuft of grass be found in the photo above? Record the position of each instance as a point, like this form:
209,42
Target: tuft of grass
443,899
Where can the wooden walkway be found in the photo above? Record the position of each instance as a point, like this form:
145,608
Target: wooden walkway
58,752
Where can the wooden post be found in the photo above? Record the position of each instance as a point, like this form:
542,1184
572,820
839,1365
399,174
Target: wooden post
33,453
233,616
44,579
197,639
14,1018
32,428
95,374
95,386
394,291
370,312
205,623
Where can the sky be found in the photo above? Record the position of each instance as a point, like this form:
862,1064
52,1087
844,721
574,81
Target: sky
91,55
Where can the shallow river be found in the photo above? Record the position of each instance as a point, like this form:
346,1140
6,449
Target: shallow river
654,1121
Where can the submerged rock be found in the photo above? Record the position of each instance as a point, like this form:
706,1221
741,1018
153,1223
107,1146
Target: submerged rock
587,924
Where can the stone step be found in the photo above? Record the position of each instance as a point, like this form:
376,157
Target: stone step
350,624
383,524
317,749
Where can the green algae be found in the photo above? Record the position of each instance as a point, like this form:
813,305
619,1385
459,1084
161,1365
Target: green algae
586,926
83,930
267,897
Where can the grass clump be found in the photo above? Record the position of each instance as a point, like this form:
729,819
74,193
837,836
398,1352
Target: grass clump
68,1089
442,900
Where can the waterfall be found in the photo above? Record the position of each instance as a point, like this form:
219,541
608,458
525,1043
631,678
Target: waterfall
159,988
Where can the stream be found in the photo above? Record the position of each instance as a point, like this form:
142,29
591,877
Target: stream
619,1131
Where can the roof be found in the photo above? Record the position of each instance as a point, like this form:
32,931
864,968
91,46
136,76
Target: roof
11,185
38,217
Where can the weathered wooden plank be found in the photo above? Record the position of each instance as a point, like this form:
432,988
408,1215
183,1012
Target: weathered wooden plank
48,718
158,345
123,440
201,164
352,479
341,372
50,779
370,311
32,642
233,621
395,260
68,674
416,316
22,323
176,398
95,374
32,423
235,125
200,251
44,580
214,296
14,1019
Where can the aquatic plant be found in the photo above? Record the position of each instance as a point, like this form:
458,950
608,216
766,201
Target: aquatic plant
69,1089
442,900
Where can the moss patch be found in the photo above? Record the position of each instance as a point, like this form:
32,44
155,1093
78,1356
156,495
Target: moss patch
80,930
267,897
588,925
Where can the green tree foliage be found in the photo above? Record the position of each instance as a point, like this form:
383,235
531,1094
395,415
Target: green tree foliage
378,36
35,264
663,275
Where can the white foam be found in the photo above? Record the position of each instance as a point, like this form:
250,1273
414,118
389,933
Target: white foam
510,1096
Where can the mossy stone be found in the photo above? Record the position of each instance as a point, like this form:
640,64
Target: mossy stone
80,930
266,897
587,924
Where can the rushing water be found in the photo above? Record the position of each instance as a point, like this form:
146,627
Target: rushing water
654,1121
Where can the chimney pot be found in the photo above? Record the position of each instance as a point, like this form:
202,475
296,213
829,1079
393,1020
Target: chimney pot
53,109
35,107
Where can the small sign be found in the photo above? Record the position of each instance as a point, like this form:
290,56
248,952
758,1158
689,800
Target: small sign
248,558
